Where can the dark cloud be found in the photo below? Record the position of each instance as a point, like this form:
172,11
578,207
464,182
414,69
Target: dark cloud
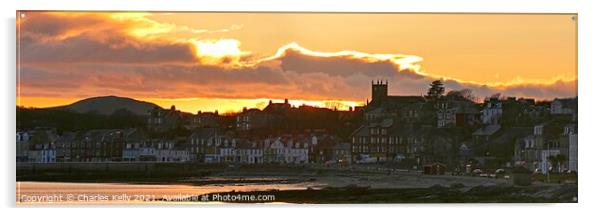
547,91
152,80
38,78
47,26
116,49
53,38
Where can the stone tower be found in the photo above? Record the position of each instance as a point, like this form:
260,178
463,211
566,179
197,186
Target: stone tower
379,91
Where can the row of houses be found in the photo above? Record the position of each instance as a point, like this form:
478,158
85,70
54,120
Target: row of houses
214,145
275,117
46,145
204,145
161,120
548,148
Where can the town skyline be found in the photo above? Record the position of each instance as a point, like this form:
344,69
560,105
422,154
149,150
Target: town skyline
437,130
197,63
259,103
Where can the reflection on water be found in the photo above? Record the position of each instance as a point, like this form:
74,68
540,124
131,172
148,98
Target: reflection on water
125,193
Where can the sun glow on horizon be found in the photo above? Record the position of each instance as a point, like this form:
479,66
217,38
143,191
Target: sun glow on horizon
194,105
226,105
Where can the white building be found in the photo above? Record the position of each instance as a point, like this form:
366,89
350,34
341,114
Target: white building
573,152
46,154
172,155
22,145
227,152
452,113
130,154
446,115
274,150
286,149
167,151
141,153
545,165
492,112
249,153
297,152
40,145
160,151
563,106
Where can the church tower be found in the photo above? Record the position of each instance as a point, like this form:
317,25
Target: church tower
379,91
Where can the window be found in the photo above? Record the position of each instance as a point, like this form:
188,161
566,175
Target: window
538,130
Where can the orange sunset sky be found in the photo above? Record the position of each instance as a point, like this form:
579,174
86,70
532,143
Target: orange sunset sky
226,61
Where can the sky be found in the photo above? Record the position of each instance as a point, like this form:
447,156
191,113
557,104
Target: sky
227,61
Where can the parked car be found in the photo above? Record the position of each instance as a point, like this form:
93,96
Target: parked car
457,172
568,171
499,173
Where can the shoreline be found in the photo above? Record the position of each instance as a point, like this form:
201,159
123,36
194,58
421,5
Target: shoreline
332,177
336,185
352,194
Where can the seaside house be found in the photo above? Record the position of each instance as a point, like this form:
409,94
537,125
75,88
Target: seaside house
249,152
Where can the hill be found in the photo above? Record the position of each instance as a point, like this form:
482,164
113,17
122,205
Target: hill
107,105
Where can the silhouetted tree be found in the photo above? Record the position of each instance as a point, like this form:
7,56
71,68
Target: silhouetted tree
561,159
462,94
436,89
67,120
556,161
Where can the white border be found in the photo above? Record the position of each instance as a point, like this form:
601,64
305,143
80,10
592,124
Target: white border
589,76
